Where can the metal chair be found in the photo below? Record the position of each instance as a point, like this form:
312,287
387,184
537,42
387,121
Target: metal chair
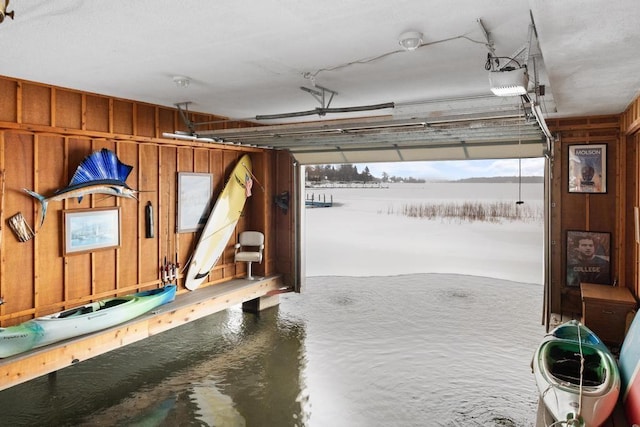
249,249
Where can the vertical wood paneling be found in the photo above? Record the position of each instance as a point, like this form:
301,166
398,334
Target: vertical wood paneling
79,279
78,276
267,219
148,172
36,108
201,160
50,275
630,201
83,109
170,243
68,109
18,285
216,162
165,120
123,117
36,265
97,113
584,211
184,159
128,257
622,249
8,100
103,268
111,119
284,222
19,103
36,277
145,120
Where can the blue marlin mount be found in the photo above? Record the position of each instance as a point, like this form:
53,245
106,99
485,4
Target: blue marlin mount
99,173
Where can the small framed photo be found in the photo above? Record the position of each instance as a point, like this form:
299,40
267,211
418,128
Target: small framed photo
89,230
194,196
588,168
588,258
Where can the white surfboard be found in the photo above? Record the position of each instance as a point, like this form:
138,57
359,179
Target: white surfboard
221,224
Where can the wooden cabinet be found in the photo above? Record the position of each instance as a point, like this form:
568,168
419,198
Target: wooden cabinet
605,309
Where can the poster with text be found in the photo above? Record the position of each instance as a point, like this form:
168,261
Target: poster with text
588,168
588,258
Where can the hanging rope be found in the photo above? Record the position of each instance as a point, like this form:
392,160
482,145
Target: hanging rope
520,201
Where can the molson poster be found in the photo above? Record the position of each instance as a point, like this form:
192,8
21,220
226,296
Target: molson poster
588,168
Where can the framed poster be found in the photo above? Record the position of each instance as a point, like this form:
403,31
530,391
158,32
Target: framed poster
194,195
588,258
88,230
588,168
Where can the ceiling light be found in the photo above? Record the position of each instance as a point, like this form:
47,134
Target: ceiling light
182,81
509,81
410,40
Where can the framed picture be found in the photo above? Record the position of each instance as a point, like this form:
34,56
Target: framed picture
194,195
588,257
88,230
588,168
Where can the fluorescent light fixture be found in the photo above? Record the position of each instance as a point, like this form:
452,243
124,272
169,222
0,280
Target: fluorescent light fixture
410,40
186,137
509,82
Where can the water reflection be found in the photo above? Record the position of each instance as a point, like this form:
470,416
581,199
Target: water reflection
414,350
208,372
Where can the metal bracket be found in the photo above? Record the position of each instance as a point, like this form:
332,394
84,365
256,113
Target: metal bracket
183,114
487,36
320,95
523,51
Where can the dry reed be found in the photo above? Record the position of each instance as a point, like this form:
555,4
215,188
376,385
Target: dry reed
473,211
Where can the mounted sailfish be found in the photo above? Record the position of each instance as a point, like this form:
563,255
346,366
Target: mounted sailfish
99,173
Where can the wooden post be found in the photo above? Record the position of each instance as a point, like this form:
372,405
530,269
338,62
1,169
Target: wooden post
258,304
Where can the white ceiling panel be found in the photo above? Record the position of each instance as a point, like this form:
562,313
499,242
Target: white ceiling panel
245,60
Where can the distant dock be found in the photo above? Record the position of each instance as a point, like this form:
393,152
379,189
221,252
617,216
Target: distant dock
311,202
353,184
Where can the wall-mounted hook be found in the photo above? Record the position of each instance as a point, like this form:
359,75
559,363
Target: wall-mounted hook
282,201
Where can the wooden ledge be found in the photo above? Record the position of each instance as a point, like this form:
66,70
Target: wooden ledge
186,308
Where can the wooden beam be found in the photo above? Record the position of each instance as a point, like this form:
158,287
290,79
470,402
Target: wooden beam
186,308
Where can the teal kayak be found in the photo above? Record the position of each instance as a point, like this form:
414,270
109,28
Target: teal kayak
577,376
81,320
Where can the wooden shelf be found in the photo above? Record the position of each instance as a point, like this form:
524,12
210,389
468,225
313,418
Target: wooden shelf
186,308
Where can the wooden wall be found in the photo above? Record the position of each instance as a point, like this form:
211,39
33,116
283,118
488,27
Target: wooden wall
630,126
46,131
585,211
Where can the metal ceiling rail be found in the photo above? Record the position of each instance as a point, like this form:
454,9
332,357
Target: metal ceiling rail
416,130
477,127
456,144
